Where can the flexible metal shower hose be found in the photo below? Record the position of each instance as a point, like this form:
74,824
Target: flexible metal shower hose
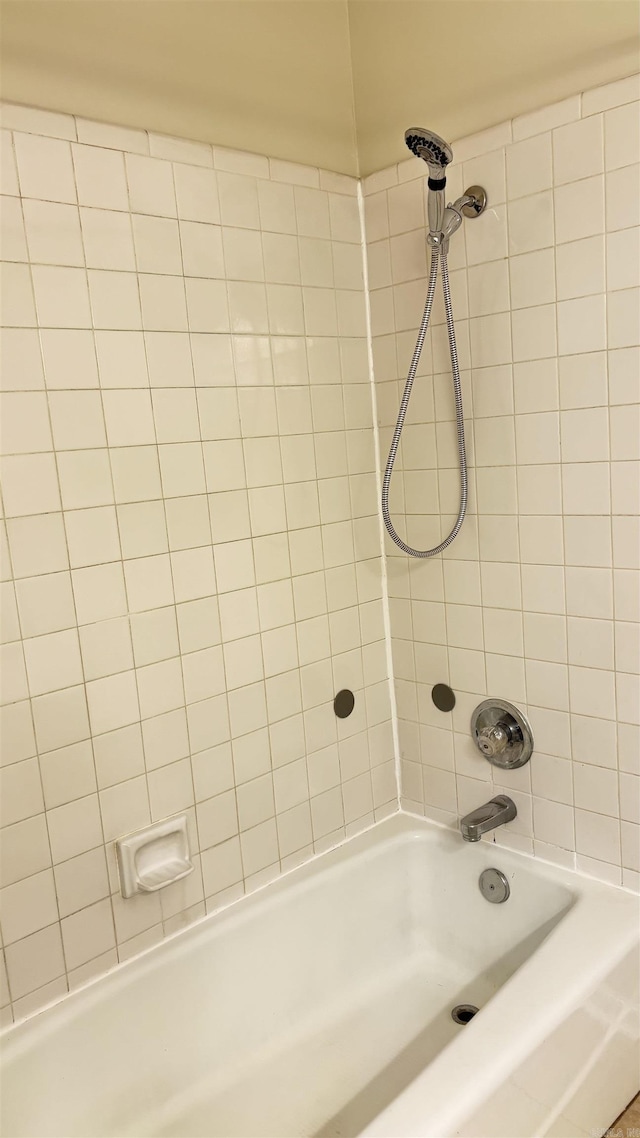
436,256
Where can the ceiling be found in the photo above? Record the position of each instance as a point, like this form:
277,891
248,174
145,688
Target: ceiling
459,66
331,83
270,76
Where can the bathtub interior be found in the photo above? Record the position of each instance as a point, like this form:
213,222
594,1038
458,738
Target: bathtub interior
361,958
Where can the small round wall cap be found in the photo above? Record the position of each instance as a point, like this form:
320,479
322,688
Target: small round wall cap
344,703
443,697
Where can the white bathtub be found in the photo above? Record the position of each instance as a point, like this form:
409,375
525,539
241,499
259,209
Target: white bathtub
321,1006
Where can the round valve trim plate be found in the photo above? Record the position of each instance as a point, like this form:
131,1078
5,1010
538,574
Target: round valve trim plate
494,886
502,734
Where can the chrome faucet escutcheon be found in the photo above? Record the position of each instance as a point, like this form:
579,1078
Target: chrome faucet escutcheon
502,734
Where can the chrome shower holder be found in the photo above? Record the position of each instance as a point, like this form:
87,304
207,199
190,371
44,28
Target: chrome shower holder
472,203
477,202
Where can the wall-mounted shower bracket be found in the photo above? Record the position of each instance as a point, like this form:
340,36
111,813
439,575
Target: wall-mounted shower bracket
476,203
472,203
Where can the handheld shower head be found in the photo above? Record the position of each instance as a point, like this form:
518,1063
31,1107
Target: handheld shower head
437,154
431,148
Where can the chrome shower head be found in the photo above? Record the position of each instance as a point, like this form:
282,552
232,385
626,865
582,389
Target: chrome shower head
431,148
437,154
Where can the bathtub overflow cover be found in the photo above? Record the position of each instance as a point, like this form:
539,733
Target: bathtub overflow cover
494,886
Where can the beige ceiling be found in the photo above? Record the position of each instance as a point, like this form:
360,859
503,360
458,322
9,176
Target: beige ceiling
271,76
333,83
458,66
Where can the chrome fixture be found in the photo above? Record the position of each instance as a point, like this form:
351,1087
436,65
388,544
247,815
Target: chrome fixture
444,220
492,814
471,204
477,201
502,733
494,886
437,154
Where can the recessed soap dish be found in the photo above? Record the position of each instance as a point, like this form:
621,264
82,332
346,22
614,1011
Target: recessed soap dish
154,857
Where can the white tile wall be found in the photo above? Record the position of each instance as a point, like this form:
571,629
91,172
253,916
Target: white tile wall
538,598
191,561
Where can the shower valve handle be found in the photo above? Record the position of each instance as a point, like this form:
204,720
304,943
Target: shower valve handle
498,738
493,740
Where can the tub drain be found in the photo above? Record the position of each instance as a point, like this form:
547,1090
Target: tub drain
462,1013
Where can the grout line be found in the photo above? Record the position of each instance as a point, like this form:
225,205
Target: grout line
210,545
83,683
609,473
564,615
376,441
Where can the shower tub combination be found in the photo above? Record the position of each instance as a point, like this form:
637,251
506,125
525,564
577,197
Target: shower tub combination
321,1005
